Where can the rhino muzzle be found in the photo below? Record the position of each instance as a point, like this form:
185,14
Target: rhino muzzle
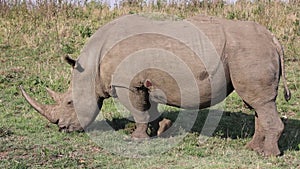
67,120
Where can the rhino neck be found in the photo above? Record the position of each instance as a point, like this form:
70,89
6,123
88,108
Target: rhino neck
84,78
100,90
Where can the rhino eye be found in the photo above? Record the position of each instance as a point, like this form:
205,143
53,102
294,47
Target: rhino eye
70,102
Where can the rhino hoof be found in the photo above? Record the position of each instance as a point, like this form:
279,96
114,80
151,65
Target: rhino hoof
164,125
139,136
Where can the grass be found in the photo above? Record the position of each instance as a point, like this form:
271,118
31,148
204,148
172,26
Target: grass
32,43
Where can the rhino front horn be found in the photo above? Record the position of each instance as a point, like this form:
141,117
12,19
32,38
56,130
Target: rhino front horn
42,109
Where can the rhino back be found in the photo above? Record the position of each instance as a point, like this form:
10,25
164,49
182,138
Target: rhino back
191,44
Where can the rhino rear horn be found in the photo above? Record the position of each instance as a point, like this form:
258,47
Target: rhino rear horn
41,108
53,94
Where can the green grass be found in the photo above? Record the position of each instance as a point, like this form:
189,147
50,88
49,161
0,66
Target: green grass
32,43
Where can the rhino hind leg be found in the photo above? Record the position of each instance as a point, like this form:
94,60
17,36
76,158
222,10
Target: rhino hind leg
269,129
268,125
256,80
155,118
258,139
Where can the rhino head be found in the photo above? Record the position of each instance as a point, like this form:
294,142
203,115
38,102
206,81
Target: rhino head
62,112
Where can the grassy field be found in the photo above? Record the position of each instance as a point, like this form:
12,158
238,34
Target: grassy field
33,40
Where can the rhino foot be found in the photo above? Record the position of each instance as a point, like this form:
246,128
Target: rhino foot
271,149
264,148
140,131
273,152
137,136
164,125
257,147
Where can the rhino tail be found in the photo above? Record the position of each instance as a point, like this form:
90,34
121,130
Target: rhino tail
287,92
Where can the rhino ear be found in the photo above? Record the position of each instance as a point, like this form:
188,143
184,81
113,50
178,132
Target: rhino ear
71,61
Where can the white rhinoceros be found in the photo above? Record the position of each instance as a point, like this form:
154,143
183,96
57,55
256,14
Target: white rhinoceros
192,63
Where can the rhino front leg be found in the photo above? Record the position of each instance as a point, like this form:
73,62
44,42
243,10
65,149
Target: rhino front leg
136,100
147,114
158,125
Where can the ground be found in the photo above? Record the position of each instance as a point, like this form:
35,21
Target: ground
32,44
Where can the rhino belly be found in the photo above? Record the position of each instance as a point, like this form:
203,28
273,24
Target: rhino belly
189,93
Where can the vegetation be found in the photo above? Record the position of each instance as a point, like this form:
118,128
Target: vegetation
33,39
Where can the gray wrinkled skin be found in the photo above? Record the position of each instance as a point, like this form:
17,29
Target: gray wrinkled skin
252,59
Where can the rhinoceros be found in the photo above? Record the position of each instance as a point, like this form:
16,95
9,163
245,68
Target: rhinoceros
192,64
